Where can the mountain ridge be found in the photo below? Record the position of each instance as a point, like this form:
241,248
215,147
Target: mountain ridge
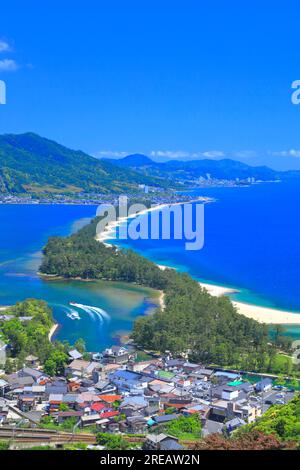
195,169
30,163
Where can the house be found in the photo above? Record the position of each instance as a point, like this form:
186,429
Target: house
229,393
74,354
63,415
127,381
247,412
190,367
161,442
143,365
136,425
81,368
4,387
26,402
55,400
32,361
163,419
110,399
132,406
203,374
174,364
70,399
89,420
35,374
105,387
98,407
264,385
233,424
116,355
38,391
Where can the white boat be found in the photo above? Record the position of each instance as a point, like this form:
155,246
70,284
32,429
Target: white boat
73,316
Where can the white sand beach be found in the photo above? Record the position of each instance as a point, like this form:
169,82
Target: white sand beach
261,314
267,315
52,331
109,231
3,308
270,316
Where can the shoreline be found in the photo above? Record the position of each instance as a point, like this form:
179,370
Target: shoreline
108,231
52,331
267,315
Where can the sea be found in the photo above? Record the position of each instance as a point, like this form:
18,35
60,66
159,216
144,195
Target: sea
251,243
106,310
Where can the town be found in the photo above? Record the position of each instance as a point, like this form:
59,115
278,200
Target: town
150,402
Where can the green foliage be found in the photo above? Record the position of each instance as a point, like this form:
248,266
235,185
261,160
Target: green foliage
31,336
185,427
4,445
80,345
63,407
55,363
112,441
208,328
281,420
30,163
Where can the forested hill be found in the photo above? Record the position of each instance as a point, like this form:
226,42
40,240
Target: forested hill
177,170
30,163
206,327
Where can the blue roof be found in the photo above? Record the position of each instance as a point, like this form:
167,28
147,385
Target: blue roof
165,418
126,375
231,375
139,400
170,444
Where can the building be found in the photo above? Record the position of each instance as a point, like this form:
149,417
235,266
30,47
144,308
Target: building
116,355
161,442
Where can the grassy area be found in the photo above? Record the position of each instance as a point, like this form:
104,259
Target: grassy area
142,356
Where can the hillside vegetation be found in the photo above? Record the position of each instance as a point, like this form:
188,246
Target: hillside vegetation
208,329
32,164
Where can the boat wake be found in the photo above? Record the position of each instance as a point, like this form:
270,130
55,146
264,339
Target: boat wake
95,313
72,313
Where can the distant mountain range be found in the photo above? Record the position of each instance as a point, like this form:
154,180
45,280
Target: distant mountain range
30,163
176,170
33,164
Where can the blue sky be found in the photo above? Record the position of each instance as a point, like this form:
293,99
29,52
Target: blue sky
167,78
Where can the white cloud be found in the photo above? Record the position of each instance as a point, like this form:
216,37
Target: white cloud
8,65
111,154
214,154
4,46
178,154
245,154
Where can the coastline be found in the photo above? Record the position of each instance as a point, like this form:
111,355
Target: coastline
108,231
267,315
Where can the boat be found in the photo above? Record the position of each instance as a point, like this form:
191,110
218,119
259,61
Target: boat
73,304
73,316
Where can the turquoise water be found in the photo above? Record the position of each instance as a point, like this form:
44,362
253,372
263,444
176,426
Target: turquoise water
106,309
252,243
